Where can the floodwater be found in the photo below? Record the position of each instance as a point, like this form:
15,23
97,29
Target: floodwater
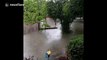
38,42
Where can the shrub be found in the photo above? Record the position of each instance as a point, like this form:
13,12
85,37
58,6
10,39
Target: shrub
75,48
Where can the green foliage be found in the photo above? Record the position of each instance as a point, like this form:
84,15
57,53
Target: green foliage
54,9
44,24
29,12
34,11
43,8
39,18
51,10
73,8
65,10
77,8
75,48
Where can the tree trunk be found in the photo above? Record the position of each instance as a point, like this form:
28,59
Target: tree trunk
38,26
65,26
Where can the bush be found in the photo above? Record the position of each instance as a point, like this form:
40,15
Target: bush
34,11
75,48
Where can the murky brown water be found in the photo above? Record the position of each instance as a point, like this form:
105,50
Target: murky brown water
37,43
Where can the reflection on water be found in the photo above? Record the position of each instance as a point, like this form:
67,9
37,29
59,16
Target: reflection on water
37,43
52,35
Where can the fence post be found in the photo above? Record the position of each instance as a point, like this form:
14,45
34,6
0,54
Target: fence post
38,25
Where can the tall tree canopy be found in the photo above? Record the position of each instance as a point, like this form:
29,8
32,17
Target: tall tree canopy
65,10
34,11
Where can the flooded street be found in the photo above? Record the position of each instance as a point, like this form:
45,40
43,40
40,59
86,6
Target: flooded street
37,43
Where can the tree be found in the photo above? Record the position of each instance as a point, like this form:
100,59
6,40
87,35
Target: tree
60,9
67,16
34,11
30,12
76,8
65,10
71,9
51,10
